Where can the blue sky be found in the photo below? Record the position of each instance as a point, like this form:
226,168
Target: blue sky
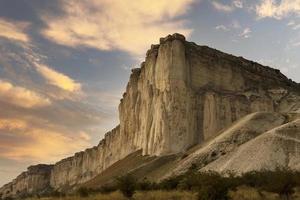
64,64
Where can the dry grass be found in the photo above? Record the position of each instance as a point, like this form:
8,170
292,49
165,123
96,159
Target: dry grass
248,193
151,195
242,193
165,195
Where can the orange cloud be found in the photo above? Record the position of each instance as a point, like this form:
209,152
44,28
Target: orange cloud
12,124
120,24
58,79
83,135
14,30
20,96
37,144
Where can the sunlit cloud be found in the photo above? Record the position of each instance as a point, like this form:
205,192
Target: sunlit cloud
24,62
121,24
12,124
21,96
278,10
84,136
58,79
43,145
14,30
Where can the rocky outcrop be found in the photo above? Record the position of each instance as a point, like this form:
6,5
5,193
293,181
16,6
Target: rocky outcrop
181,96
34,181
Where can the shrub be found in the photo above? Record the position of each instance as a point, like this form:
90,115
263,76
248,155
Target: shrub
145,185
127,185
190,181
170,183
56,193
213,187
83,192
281,182
107,189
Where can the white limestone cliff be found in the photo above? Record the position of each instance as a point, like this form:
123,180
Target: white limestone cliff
182,95
36,179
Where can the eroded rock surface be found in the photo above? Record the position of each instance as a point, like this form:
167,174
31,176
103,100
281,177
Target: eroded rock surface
181,96
276,148
35,180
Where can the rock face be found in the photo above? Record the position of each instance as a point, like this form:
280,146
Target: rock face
35,180
181,96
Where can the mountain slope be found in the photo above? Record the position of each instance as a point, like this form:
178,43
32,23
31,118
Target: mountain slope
276,148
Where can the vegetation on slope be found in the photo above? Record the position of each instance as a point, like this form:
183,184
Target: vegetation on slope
194,185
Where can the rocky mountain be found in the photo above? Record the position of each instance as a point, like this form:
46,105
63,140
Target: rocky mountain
186,104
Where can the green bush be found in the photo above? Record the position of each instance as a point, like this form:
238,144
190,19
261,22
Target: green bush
127,185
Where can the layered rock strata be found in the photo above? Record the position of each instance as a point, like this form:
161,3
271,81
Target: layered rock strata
182,95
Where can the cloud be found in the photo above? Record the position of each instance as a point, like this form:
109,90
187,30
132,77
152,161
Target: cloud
12,124
222,27
25,63
296,44
48,134
38,144
238,3
278,10
13,30
222,7
291,23
115,25
58,79
83,135
227,7
294,25
246,33
20,96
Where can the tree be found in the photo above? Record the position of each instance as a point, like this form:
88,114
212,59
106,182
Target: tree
127,185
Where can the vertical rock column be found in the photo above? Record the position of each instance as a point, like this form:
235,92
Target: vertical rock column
177,125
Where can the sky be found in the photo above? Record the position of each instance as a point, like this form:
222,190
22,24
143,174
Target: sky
64,64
